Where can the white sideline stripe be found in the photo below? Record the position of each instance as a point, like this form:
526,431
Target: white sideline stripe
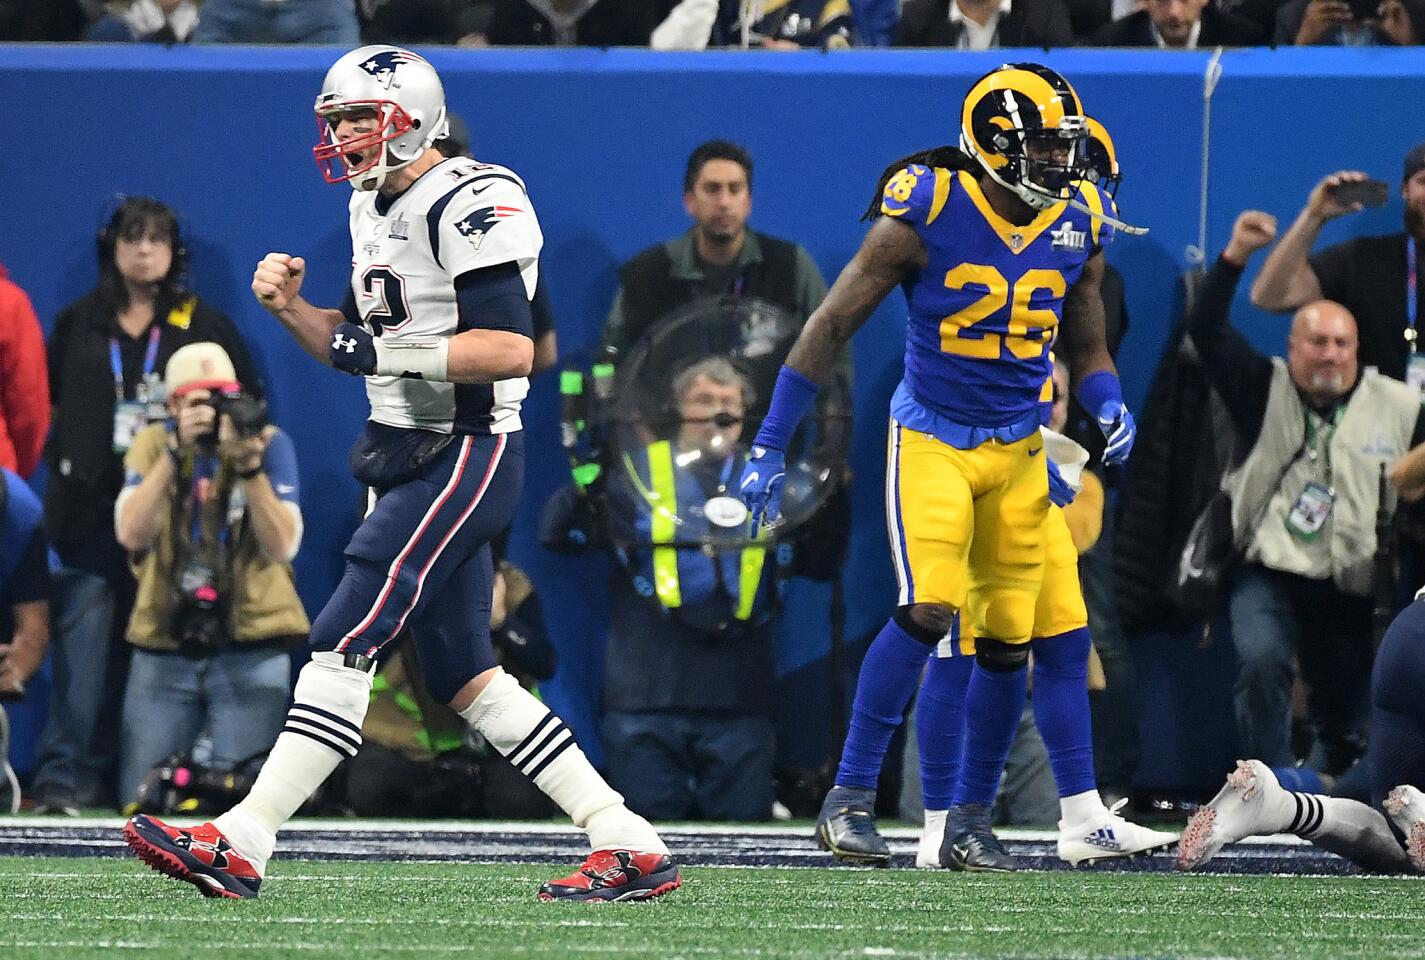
302,825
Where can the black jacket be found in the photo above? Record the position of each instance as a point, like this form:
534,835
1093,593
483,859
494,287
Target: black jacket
1367,276
608,23
1186,441
85,473
1218,30
1030,23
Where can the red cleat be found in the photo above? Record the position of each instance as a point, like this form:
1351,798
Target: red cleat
200,855
609,875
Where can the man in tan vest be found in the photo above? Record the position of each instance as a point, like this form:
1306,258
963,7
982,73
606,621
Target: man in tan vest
1317,429
209,514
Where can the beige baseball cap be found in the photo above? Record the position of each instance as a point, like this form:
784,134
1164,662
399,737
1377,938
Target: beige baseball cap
204,366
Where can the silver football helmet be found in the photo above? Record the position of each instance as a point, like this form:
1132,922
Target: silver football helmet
406,94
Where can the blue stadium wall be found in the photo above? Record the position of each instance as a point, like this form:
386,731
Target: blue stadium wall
224,135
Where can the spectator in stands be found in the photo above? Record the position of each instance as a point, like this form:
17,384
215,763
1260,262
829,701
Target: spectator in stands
1087,17
685,25
1369,276
106,352
24,399
47,20
24,585
689,670
415,757
821,24
1318,431
718,255
1181,25
1305,23
146,21
209,511
415,22
984,24
874,21
572,23
290,21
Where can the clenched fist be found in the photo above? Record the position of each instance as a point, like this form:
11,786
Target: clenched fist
278,279
1252,231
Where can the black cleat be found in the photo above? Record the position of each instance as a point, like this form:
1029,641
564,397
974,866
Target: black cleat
847,827
970,845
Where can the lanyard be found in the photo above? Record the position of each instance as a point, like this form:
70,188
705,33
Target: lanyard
1323,450
202,488
116,361
1410,294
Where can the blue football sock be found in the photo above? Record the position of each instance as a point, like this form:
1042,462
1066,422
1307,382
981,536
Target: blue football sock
940,727
994,704
1061,708
888,676
1300,780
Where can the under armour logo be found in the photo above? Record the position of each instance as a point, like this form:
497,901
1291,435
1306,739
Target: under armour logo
344,343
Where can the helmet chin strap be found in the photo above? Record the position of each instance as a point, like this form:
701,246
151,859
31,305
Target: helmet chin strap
1040,202
1109,219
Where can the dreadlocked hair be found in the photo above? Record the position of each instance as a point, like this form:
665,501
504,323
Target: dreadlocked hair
952,158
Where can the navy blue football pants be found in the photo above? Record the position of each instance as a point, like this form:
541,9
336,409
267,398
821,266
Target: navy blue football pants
1397,744
421,561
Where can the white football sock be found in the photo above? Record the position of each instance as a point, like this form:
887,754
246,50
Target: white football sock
1349,829
927,852
539,745
1080,808
323,728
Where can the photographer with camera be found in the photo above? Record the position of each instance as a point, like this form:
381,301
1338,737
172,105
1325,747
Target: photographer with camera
107,352
1350,23
209,513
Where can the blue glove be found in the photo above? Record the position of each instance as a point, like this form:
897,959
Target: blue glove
1060,493
353,350
761,484
1118,429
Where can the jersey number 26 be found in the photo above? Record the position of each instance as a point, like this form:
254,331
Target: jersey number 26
1029,331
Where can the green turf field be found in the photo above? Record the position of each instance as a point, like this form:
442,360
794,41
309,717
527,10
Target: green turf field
75,908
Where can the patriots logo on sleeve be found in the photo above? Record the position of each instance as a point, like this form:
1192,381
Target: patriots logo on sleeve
474,227
383,65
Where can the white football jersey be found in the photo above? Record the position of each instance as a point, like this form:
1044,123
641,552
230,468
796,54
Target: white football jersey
406,254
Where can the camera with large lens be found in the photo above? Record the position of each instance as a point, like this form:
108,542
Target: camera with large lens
247,413
200,622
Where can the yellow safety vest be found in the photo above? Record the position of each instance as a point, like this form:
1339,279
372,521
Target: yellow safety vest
663,508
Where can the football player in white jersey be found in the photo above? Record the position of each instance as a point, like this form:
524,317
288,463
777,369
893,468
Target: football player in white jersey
445,257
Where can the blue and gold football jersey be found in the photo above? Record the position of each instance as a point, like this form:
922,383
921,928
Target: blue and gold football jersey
985,309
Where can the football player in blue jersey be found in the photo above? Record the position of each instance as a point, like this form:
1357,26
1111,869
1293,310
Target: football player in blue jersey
993,243
1253,802
1088,830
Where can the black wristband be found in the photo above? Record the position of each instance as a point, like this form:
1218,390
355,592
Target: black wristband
249,474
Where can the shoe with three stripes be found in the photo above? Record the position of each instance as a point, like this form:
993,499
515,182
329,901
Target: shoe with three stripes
1251,803
1106,835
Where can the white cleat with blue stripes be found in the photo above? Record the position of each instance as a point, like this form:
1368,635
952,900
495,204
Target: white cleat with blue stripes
1106,836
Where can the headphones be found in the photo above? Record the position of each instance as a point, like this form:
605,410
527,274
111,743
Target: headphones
116,206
